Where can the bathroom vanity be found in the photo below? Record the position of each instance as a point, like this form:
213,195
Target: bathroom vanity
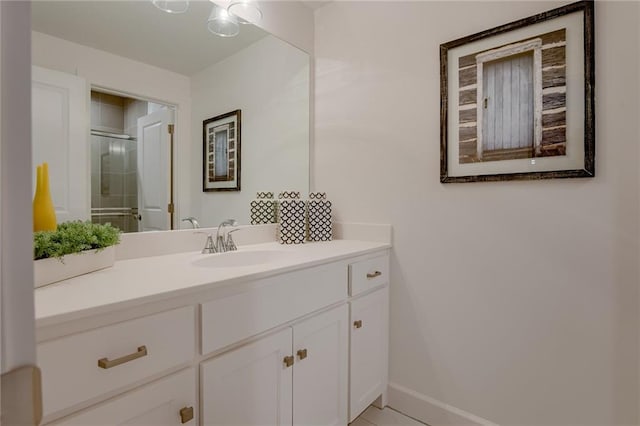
269,334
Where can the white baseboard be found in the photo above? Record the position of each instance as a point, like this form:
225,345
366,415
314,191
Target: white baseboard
429,410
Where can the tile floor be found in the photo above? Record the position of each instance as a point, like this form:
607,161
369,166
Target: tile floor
373,416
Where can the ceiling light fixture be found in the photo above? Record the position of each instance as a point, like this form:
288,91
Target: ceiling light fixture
222,23
248,10
172,6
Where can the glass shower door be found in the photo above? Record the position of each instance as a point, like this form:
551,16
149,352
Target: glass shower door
114,189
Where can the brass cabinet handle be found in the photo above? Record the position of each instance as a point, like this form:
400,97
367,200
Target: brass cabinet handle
375,274
105,363
357,324
288,361
302,353
186,414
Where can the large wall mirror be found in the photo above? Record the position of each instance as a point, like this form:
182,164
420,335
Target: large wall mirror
121,90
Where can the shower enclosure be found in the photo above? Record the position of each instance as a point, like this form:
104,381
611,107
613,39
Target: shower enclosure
114,187
131,163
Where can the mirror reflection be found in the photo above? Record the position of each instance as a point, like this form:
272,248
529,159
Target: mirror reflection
121,91
121,128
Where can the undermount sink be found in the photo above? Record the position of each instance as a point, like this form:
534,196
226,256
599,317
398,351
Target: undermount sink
234,259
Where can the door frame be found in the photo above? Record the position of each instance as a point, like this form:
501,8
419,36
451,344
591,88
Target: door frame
20,389
534,45
173,152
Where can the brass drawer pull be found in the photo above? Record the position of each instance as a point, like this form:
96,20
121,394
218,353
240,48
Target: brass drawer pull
105,363
288,361
186,414
374,275
302,353
357,324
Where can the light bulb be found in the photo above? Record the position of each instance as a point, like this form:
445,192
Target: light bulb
222,23
248,10
171,6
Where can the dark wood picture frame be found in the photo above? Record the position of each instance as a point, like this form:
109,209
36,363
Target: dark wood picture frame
221,153
466,156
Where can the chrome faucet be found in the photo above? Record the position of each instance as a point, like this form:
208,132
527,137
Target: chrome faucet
222,245
193,221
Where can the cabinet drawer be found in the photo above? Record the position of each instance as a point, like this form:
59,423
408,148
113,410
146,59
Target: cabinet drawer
83,366
275,301
367,274
168,401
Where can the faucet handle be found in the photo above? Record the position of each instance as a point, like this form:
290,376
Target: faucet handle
230,244
209,245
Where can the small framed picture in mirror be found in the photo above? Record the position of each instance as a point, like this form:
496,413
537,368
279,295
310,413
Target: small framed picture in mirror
517,101
221,152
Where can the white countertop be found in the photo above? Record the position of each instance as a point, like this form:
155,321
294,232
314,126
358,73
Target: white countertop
136,281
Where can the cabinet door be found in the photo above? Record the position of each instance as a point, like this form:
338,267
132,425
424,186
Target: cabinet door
168,401
250,385
320,376
369,345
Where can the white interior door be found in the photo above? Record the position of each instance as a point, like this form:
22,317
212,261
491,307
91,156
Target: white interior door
60,137
154,184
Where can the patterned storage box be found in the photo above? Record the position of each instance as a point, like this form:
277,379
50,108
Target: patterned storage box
263,209
291,213
320,226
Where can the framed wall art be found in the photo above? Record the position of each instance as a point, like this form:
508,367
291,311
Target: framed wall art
221,152
517,101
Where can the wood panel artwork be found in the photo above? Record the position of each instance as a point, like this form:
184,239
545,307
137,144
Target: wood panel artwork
511,100
221,154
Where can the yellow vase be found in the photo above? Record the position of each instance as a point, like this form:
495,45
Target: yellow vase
44,214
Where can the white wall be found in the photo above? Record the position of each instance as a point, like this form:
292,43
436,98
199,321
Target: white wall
269,82
133,78
516,301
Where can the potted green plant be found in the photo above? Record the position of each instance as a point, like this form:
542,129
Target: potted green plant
73,249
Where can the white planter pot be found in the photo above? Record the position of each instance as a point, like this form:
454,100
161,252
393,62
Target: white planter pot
47,271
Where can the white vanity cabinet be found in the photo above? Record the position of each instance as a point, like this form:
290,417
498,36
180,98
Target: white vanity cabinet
296,376
306,345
